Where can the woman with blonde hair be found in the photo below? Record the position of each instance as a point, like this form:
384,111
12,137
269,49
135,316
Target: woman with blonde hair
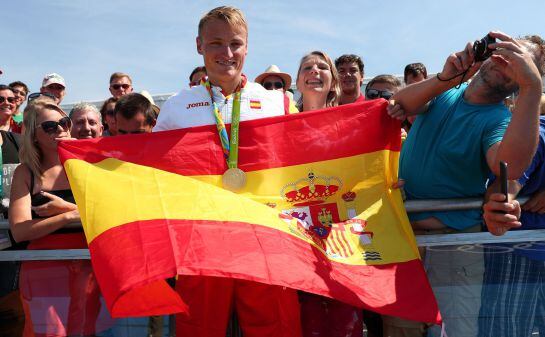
318,83
62,297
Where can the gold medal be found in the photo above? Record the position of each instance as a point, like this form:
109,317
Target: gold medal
234,179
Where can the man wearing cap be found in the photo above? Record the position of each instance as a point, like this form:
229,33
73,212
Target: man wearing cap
54,84
350,69
226,97
274,79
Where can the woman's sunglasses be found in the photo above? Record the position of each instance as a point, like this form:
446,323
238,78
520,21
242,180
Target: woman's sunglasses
374,94
35,95
270,85
9,99
51,127
119,86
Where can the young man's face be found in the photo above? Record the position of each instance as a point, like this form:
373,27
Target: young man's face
224,49
134,125
414,79
120,86
20,94
350,76
381,90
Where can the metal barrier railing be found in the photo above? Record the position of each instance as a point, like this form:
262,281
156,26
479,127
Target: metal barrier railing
412,206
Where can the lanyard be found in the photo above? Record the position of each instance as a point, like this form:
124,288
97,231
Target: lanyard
229,145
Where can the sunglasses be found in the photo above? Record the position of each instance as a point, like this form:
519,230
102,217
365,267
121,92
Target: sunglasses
19,92
109,112
9,99
374,94
51,127
35,95
119,86
271,85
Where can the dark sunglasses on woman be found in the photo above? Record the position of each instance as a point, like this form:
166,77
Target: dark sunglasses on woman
51,127
9,99
270,85
119,86
374,94
35,95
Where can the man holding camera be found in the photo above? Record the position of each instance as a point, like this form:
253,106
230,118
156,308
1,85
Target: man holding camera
464,132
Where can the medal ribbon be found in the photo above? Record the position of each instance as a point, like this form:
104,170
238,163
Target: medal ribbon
229,145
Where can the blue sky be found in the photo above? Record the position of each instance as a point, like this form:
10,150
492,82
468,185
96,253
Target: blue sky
154,41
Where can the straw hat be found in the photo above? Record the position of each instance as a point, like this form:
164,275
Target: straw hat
274,70
146,94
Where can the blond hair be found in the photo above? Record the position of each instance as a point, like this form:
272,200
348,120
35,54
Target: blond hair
31,155
230,15
335,90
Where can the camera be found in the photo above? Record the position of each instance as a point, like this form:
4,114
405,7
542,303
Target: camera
480,48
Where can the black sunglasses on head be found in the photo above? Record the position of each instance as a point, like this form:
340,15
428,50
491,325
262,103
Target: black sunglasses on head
270,85
9,99
374,94
51,127
35,95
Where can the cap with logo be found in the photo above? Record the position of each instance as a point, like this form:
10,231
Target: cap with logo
53,78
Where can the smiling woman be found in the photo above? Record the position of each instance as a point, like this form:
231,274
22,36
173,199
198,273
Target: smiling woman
318,82
61,297
7,109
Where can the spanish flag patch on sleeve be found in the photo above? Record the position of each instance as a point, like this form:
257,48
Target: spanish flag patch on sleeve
255,104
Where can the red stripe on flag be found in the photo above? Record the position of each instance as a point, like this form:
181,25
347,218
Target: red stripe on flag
250,252
263,143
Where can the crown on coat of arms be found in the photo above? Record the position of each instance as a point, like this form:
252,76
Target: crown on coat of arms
311,190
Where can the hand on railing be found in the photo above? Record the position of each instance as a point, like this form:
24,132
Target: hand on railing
501,216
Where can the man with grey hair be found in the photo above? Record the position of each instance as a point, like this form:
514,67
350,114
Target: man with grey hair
86,121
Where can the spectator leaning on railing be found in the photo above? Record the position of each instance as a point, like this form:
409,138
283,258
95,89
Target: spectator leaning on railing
514,276
462,136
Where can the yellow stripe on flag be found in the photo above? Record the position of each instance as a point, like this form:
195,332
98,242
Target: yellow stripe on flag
147,193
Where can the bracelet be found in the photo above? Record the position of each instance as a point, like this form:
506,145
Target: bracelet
442,80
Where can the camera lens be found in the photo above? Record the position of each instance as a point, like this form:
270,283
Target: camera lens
481,50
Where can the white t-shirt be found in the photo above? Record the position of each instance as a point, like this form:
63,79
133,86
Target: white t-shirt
193,106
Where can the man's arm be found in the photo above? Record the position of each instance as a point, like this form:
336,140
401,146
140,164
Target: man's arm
413,98
520,140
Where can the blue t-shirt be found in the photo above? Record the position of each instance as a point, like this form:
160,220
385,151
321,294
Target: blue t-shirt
444,155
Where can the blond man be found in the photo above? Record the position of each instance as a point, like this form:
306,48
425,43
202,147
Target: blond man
262,310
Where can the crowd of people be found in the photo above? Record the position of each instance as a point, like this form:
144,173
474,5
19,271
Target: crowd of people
456,126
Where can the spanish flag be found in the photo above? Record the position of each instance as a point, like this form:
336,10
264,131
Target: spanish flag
317,214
